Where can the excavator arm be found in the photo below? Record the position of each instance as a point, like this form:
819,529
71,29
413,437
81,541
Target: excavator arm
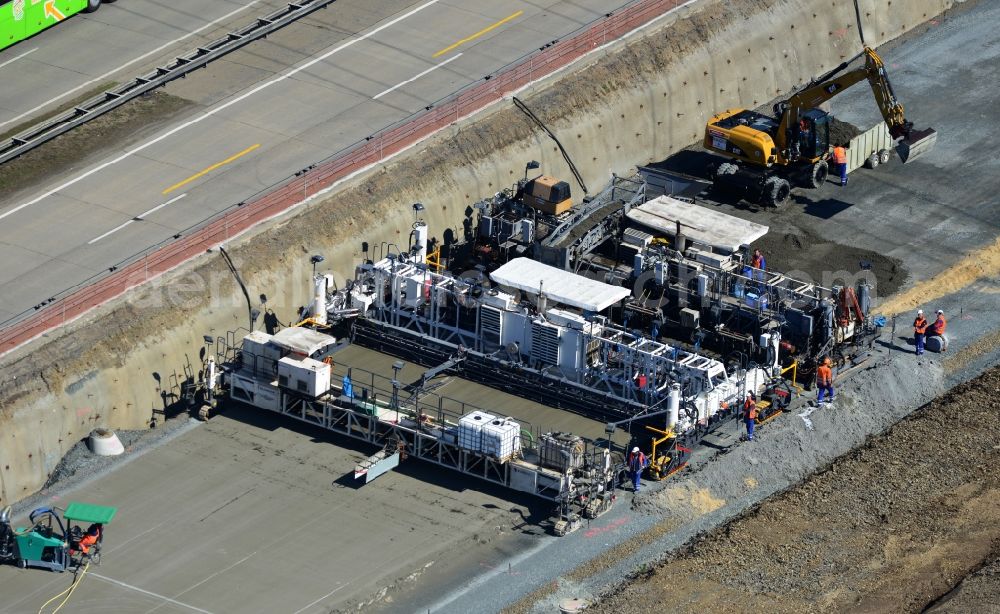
789,111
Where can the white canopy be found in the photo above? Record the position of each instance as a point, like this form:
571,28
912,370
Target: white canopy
561,286
701,224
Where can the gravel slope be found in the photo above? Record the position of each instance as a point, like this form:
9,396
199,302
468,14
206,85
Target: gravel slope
890,527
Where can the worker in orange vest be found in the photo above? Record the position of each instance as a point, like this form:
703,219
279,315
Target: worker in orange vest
938,328
750,414
91,537
919,331
824,381
840,162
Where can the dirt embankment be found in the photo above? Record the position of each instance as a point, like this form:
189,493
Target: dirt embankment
890,527
638,102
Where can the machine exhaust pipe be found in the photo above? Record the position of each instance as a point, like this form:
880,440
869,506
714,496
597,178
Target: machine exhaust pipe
916,144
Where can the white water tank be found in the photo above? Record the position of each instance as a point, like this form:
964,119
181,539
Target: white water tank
421,234
470,430
673,405
104,442
501,438
321,283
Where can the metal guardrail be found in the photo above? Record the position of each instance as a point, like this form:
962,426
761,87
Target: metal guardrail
182,65
160,258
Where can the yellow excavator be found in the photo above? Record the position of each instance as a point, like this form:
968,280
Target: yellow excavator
769,154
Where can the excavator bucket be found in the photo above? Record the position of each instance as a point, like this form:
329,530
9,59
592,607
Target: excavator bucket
916,144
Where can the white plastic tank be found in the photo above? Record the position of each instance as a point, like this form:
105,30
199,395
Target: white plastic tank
673,405
470,430
320,285
420,236
501,438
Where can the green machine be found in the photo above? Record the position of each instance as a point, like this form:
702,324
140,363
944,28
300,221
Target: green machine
56,543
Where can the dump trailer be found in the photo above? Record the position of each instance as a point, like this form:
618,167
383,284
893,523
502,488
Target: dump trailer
767,155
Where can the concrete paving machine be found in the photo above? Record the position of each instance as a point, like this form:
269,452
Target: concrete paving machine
53,542
767,155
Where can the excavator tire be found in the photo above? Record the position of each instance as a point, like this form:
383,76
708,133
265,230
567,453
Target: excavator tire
820,171
776,192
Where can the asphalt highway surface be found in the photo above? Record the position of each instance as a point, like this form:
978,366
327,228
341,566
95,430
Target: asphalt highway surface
258,115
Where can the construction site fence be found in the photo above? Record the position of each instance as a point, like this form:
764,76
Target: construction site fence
158,259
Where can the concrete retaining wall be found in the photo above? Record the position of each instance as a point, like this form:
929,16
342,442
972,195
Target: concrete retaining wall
633,102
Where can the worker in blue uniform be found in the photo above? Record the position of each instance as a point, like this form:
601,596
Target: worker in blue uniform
637,462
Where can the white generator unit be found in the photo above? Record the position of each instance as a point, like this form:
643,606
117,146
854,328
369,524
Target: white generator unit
306,376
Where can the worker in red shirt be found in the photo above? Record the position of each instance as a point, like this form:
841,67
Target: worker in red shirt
750,414
840,163
824,381
938,328
637,463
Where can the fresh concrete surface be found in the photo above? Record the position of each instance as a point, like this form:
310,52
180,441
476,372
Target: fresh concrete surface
252,512
248,513
365,48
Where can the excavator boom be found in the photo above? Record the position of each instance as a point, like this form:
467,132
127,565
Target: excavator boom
912,144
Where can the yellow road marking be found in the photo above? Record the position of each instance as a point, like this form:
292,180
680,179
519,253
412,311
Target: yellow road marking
480,33
210,169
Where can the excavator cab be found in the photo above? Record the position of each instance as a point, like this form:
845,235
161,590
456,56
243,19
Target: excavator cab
812,135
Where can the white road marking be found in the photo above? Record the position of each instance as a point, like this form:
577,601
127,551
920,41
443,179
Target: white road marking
158,207
219,108
126,64
113,230
16,58
320,599
401,84
194,586
150,593
137,218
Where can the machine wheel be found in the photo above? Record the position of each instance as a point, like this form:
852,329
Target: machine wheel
872,161
776,191
884,155
820,171
92,5
23,564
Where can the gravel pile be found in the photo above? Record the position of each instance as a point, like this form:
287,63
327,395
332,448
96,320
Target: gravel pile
891,526
81,460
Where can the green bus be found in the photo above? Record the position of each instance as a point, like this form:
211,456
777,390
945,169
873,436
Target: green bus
20,19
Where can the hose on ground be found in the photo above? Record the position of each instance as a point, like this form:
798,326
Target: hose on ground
69,589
